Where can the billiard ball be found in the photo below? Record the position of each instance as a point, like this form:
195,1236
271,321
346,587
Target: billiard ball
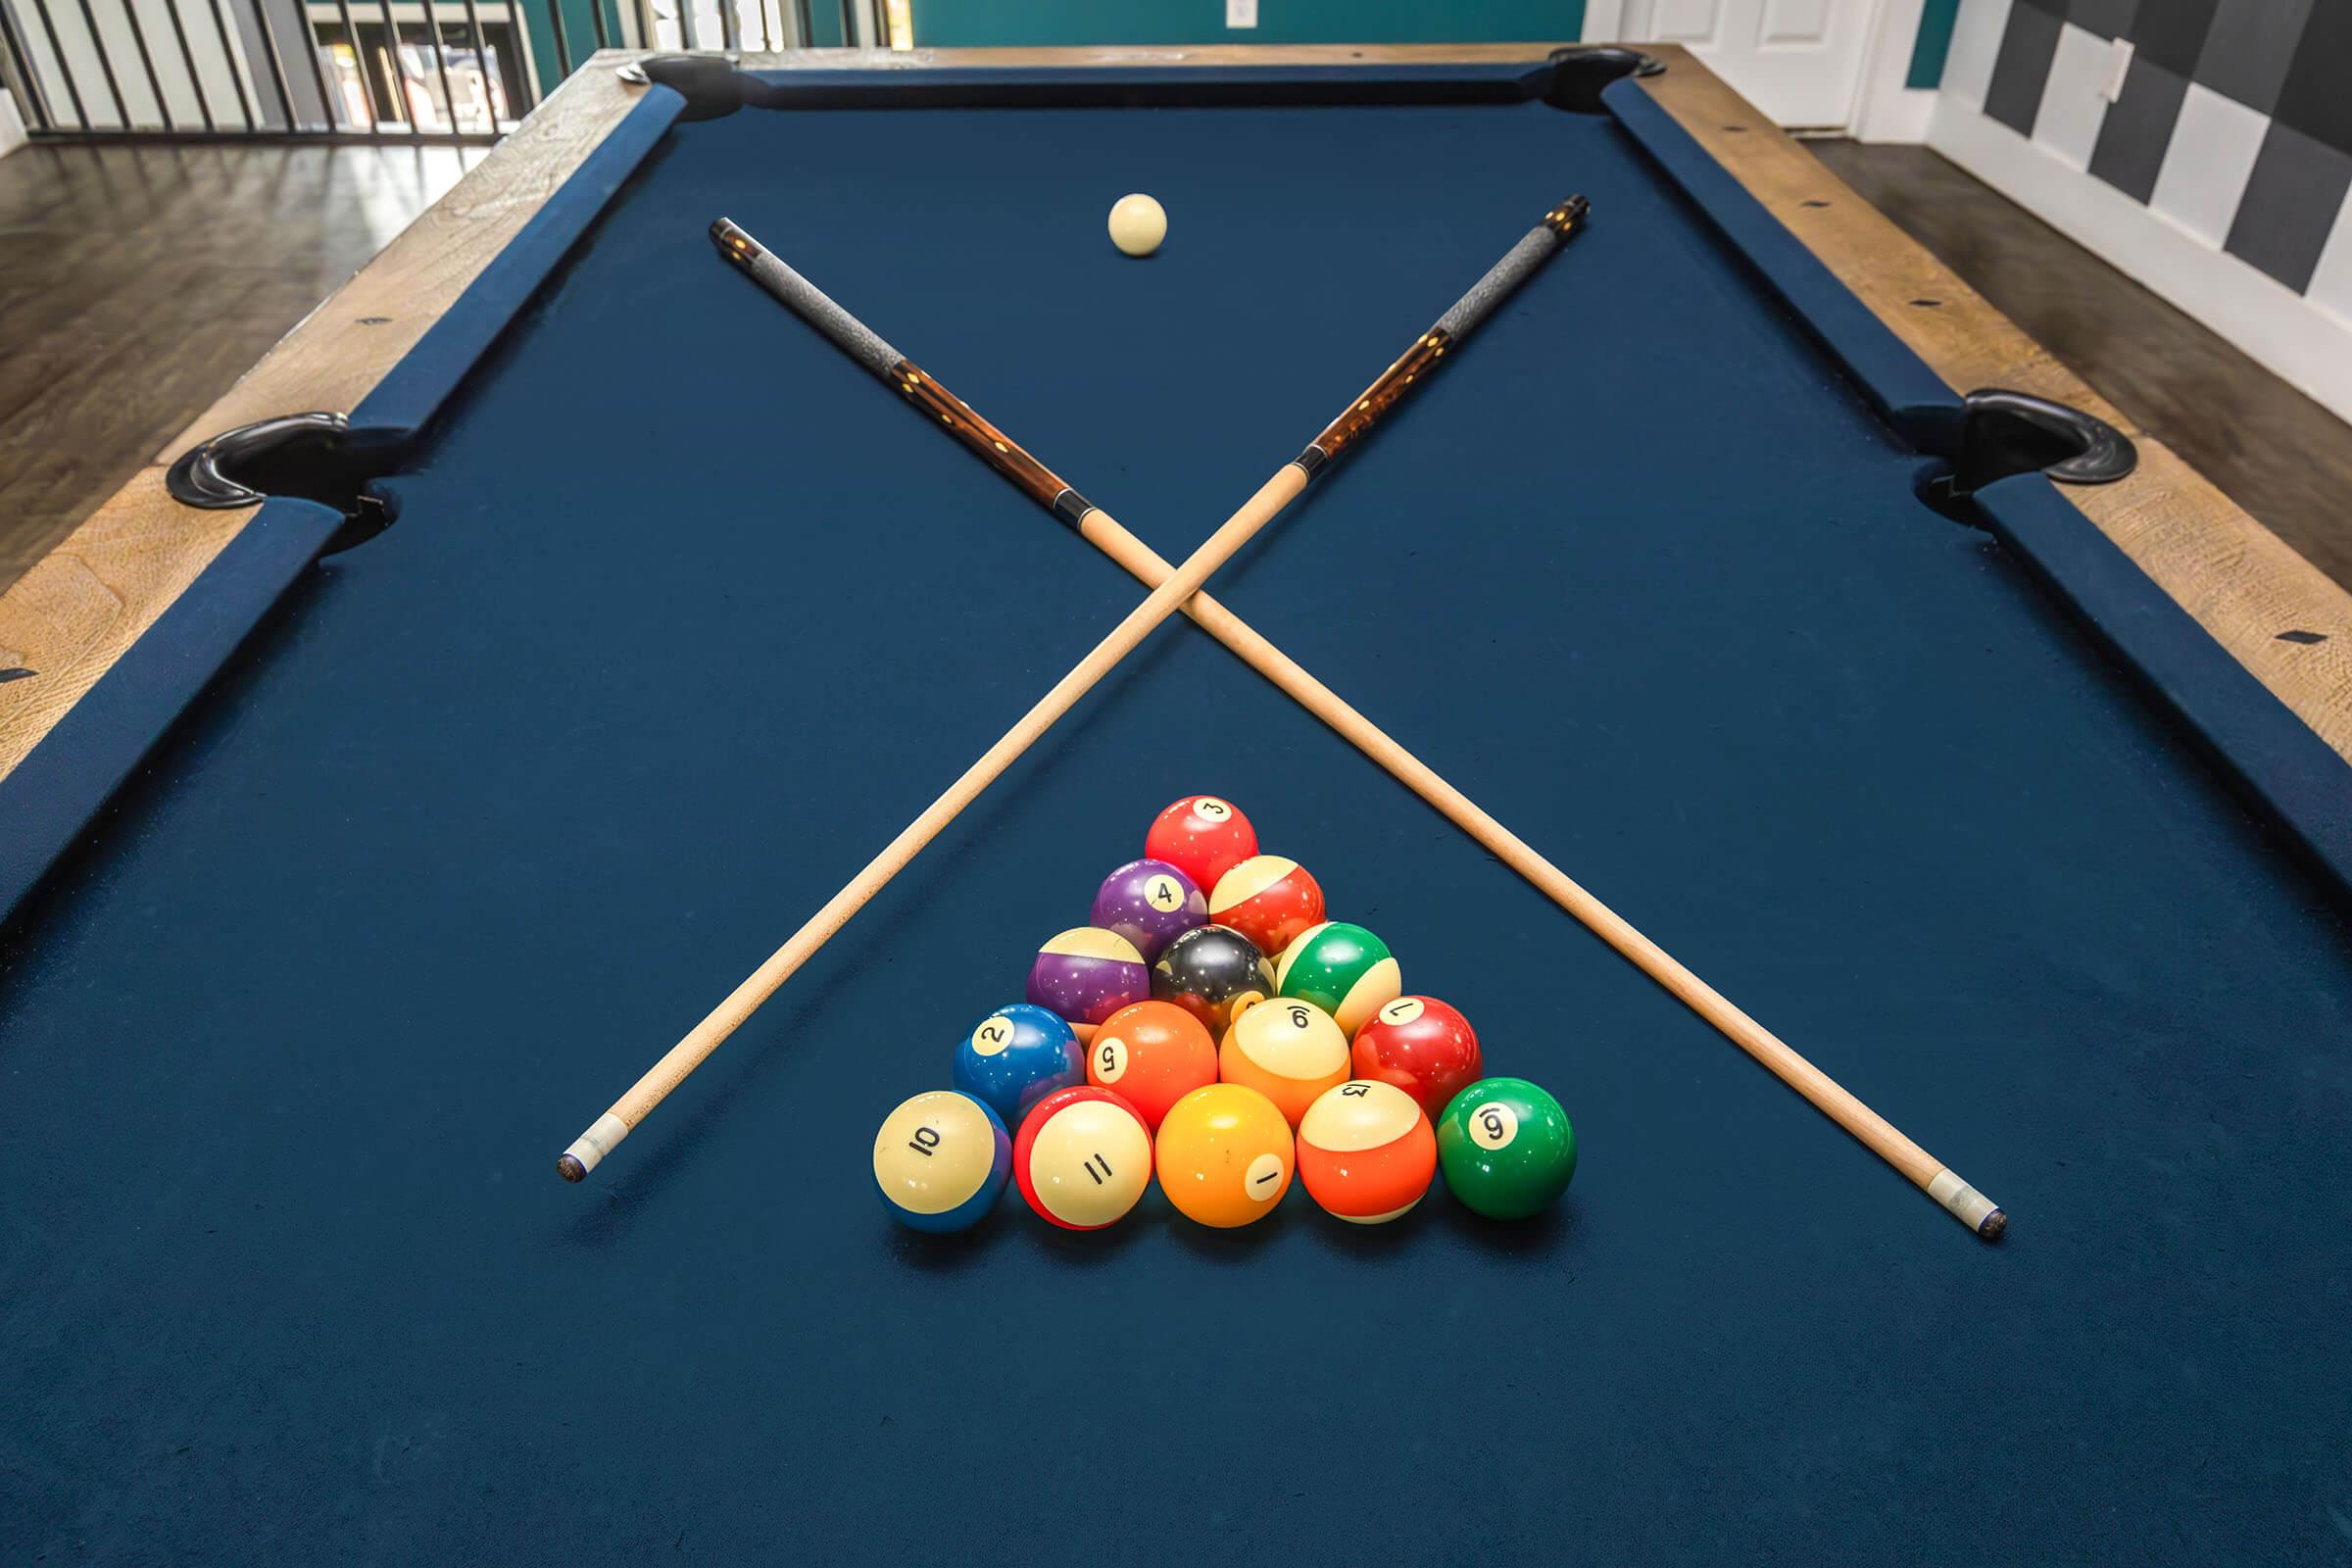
1015,1057
1423,1046
1083,1159
1506,1148
1289,1051
1342,968
1365,1151
1214,973
1268,900
940,1161
1151,1055
1225,1155
1201,836
1150,904
1085,975
1138,224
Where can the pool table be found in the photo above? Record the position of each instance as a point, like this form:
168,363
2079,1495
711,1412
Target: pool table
360,842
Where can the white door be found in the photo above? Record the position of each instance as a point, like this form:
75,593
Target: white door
1799,61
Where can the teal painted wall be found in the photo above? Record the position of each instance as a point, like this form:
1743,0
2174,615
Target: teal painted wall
1933,44
973,24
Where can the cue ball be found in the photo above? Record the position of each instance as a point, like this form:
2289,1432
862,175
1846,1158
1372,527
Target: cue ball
1507,1148
1366,1152
940,1161
1138,224
1269,899
1289,1051
1342,968
1204,836
1225,1155
1015,1057
1083,1160
1423,1046
1151,1055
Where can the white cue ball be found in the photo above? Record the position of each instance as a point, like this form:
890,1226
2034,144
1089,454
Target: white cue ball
1138,224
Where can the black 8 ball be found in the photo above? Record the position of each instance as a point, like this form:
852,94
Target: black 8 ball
1212,972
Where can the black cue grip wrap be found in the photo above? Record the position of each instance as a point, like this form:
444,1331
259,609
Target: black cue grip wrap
1536,247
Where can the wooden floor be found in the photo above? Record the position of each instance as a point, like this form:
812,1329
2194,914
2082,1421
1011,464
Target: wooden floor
2272,450
136,283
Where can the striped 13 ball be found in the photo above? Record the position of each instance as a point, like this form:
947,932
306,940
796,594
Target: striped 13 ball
1366,1152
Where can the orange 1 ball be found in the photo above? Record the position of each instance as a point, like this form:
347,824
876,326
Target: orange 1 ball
1154,1054
1269,899
1423,1046
1224,1155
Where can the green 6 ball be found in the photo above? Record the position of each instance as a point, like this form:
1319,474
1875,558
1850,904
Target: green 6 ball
1506,1148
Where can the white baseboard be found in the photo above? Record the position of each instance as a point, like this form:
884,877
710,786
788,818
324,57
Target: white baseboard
2303,343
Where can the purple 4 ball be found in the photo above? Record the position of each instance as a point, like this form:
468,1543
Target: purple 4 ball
1150,904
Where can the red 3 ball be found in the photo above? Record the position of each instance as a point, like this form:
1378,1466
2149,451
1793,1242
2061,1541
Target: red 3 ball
1423,1046
1202,835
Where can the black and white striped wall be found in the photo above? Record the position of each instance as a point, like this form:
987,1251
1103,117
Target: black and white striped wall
2203,146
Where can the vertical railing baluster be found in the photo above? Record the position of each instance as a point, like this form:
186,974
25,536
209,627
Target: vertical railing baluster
449,97
596,15
806,22
155,83
359,61
34,93
730,26
481,64
188,57
555,13
647,37
106,67
277,69
399,79
309,47
236,75
64,66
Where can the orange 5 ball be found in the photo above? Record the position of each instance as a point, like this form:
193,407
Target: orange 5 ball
1151,1055
1366,1152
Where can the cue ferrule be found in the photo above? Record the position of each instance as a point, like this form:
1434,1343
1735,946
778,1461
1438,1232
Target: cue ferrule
810,303
589,1150
1969,1206
1420,361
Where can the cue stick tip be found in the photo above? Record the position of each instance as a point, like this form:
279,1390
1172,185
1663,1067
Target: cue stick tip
1993,1226
570,1169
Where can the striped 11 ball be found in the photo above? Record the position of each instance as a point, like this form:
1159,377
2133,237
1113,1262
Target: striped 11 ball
1151,1055
1225,1155
1507,1148
1083,1160
1085,975
1268,900
1214,973
940,1161
1201,836
1423,1046
1289,1051
1150,904
1366,1152
1015,1057
1342,968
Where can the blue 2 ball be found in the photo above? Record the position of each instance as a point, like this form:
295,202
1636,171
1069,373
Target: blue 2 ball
1016,1057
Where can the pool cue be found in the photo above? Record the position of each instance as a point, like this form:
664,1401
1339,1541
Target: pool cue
1104,532
1536,247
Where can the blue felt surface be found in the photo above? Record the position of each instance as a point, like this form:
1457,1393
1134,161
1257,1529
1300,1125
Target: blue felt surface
684,615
